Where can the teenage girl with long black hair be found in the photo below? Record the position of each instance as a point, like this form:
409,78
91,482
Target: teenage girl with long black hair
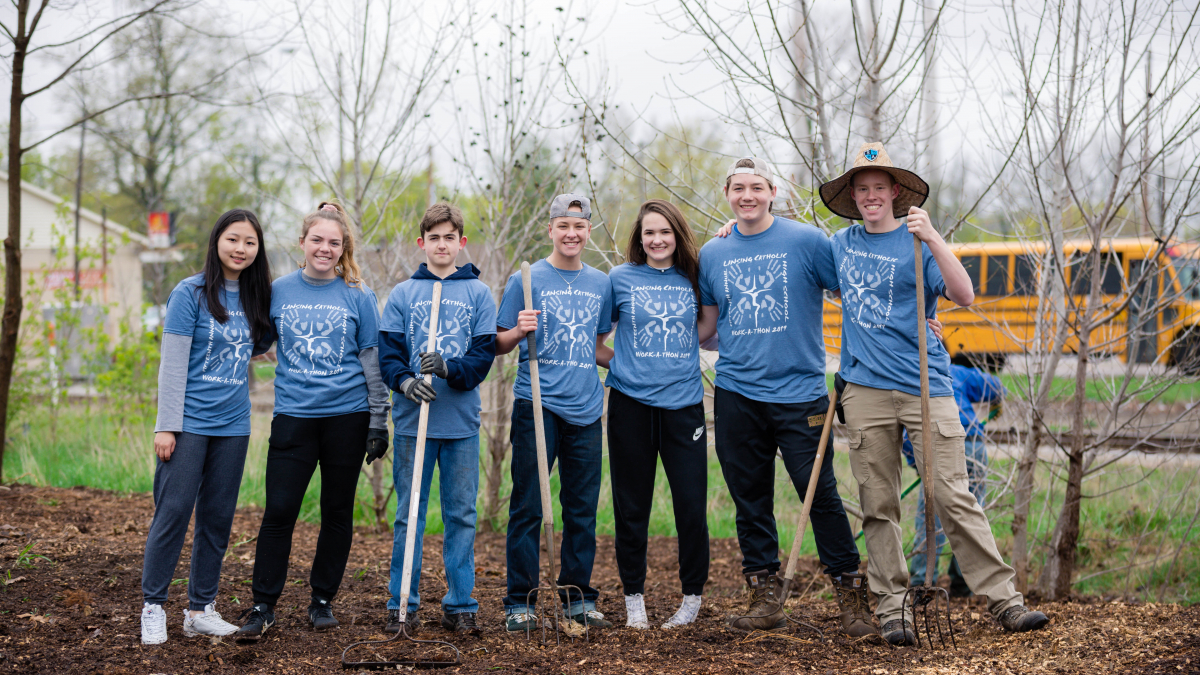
331,409
212,322
656,407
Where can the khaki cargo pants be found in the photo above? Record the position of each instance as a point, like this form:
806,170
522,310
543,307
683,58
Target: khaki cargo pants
874,418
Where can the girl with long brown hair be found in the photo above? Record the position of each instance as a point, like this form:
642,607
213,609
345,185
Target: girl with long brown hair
331,411
656,407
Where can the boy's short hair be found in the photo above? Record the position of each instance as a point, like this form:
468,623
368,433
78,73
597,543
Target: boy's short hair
442,212
854,178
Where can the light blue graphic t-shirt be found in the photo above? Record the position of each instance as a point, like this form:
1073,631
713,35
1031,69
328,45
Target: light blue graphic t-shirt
767,287
320,330
217,398
878,280
573,314
466,311
656,358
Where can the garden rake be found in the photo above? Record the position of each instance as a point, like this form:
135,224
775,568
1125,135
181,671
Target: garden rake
410,538
926,599
560,620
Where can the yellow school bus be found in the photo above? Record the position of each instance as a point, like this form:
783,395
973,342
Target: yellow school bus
1007,276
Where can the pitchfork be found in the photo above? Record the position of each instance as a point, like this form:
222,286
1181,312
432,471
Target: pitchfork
925,598
560,619
410,535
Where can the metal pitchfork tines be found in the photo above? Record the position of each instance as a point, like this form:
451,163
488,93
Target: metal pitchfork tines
925,599
560,619
410,537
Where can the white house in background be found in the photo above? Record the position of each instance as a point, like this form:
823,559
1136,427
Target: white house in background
110,267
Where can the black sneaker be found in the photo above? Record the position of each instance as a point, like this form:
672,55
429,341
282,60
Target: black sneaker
320,614
411,621
462,623
258,619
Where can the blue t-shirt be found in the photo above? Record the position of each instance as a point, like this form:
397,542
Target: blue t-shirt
972,385
767,287
320,331
657,358
877,276
466,311
572,317
217,398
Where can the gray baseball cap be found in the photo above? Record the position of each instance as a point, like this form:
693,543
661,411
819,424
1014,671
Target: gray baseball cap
559,207
759,168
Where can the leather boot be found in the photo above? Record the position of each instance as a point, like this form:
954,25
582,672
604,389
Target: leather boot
854,604
766,609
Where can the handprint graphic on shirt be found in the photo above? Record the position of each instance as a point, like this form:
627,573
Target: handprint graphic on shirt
316,336
229,348
665,319
760,300
570,322
454,331
867,289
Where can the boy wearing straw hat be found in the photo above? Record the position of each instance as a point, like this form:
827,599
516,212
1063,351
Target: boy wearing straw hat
764,284
880,365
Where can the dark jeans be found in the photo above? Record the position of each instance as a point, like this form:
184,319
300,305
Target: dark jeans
578,451
204,472
638,434
297,446
748,432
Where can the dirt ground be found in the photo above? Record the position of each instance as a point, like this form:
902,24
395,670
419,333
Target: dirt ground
70,572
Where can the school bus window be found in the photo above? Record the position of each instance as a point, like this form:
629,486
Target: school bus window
997,275
1188,272
972,263
1081,278
1024,275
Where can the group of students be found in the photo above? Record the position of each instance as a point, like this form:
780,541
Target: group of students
756,290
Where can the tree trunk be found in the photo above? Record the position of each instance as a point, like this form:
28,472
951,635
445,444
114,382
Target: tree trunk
13,303
496,423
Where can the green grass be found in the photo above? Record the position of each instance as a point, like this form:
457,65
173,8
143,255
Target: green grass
91,449
1105,389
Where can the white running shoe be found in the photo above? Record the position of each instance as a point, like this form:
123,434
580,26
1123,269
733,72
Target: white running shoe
154,624
635,612
208,623
689,609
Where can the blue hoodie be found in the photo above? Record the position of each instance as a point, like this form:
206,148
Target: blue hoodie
466,339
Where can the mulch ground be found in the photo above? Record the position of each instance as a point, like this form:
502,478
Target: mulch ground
70,597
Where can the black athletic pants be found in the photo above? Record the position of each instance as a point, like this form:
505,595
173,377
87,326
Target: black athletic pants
748,432
638,435
297,446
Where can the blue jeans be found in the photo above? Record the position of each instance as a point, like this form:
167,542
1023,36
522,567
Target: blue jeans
977,465
579,454
458,460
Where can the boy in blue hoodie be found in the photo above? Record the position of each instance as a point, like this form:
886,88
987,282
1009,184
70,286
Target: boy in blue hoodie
466,347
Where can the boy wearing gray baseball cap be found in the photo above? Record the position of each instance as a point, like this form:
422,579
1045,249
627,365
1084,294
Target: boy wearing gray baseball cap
571,315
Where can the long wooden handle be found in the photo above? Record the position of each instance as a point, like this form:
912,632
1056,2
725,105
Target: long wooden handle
539,429
414,494
929,469
809,493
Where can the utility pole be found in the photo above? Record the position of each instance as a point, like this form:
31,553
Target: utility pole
79,199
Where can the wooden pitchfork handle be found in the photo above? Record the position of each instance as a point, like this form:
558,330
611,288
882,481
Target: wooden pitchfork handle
926,432
414,495
539,433
809,493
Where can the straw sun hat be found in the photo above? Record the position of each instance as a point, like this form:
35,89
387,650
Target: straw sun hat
837,193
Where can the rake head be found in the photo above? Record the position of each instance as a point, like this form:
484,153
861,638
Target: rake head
556,615
381,663
923,602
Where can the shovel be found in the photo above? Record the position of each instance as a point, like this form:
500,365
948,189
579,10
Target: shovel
410,537
559,616
924,599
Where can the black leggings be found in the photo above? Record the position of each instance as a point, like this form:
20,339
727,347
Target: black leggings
637,435
297,446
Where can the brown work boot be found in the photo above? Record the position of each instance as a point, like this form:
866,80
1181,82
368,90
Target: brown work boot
1019,619
855,605
766,608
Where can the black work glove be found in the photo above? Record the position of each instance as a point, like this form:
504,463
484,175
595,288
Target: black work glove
839,385
432,362
417,390
377,444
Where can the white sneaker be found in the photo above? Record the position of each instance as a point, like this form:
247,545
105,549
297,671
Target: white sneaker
208,623
635,612
689,609
154,624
